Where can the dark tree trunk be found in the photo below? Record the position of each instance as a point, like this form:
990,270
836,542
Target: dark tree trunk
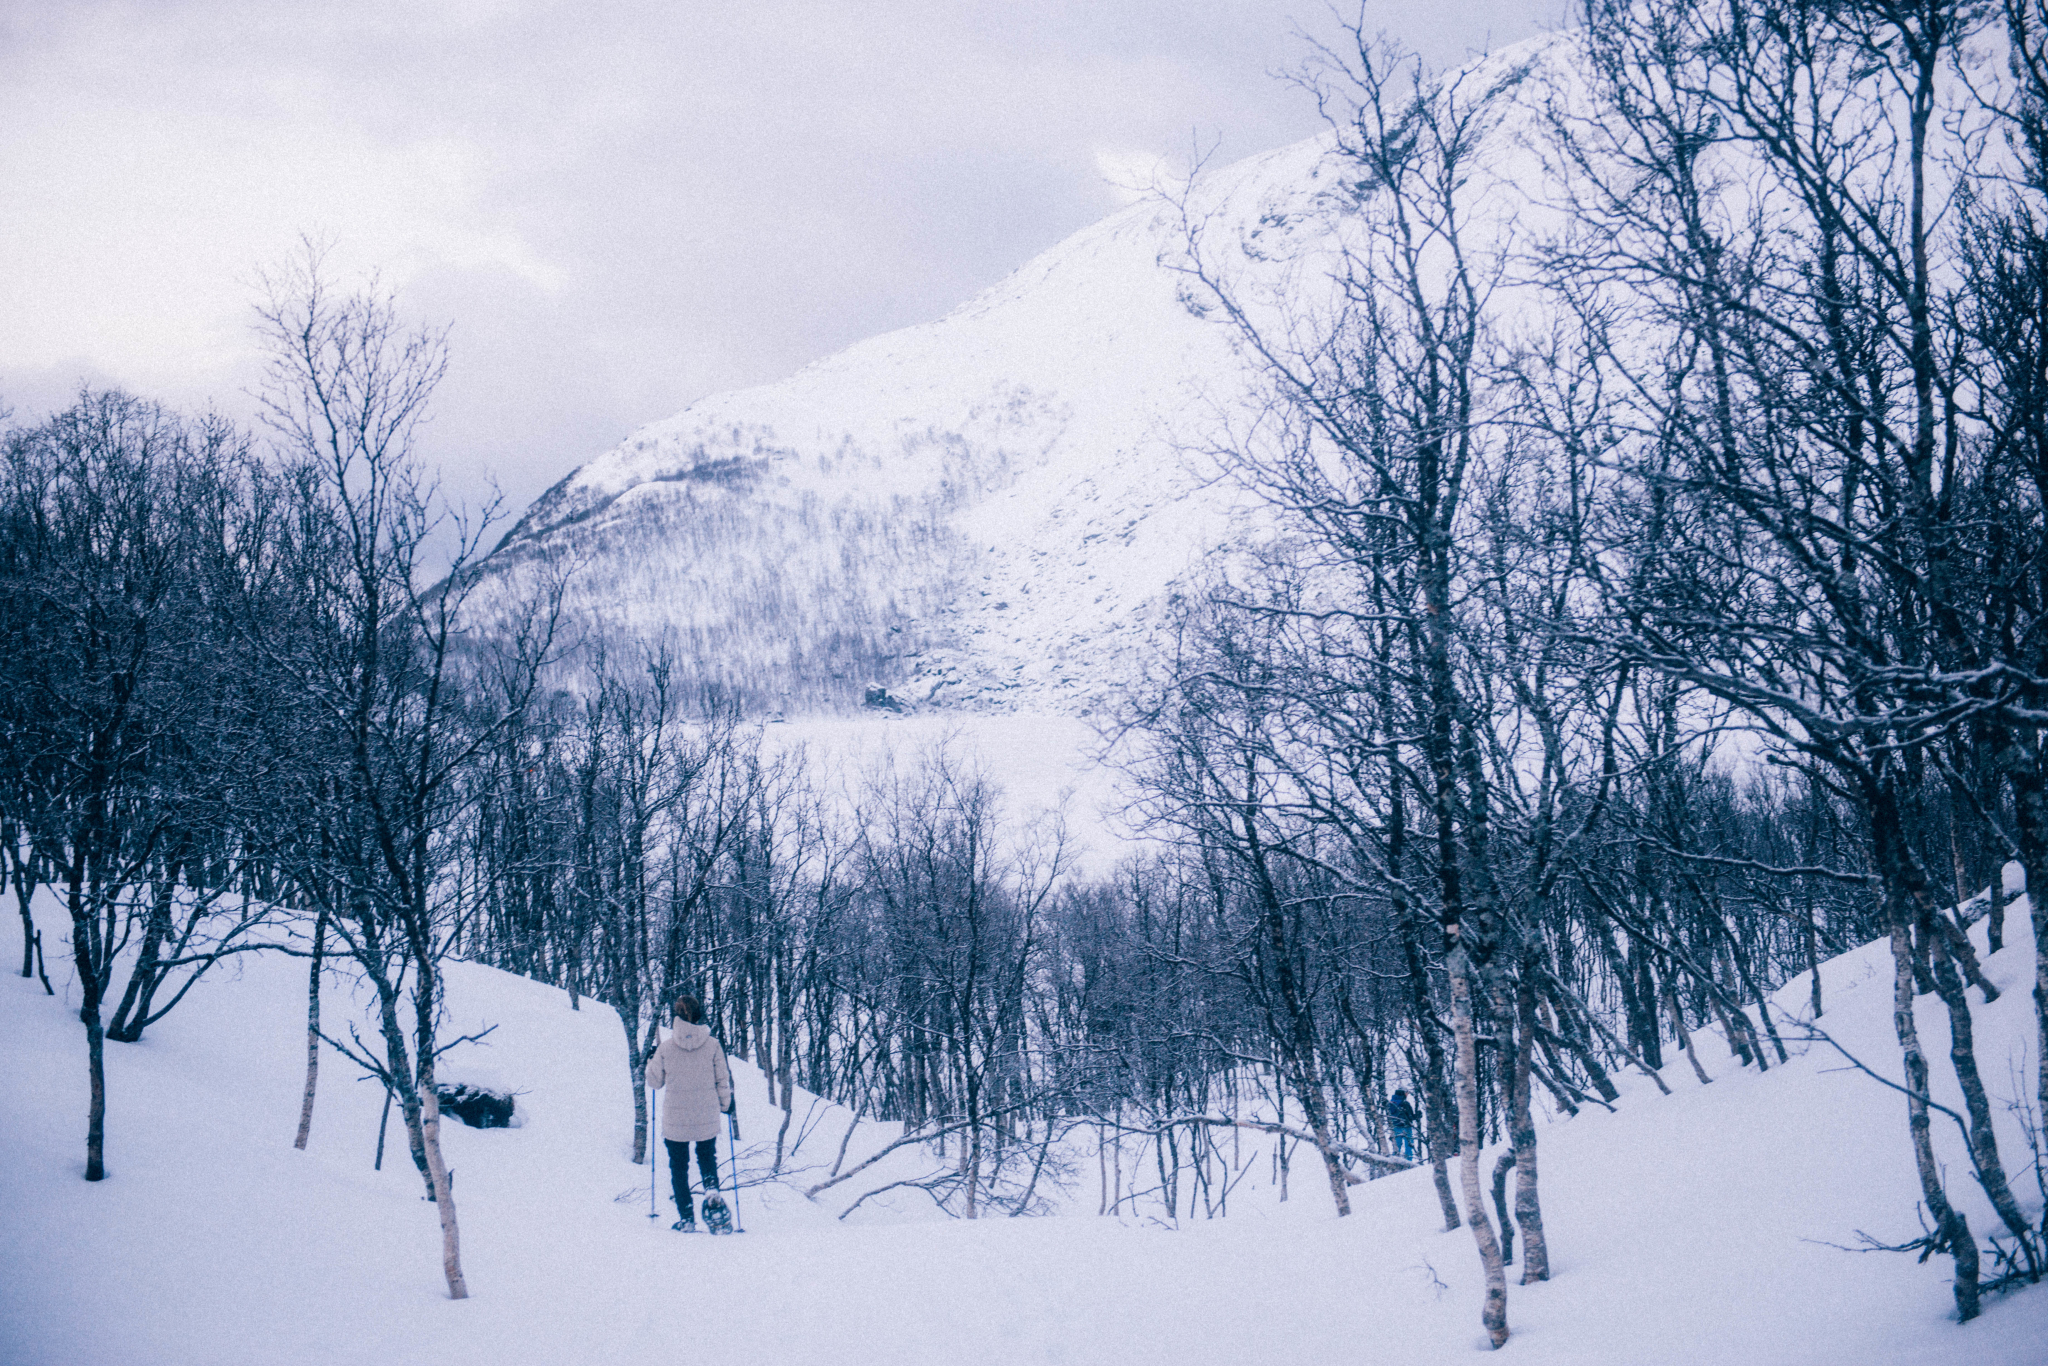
96,1110
312,1033
87,949
1501,1167
22,875
133,1012
1678,1028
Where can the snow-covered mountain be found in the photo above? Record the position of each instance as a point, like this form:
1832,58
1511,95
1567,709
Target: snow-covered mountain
984,512
991,512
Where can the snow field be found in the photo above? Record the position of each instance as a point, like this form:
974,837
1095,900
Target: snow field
1045,767
1684,1229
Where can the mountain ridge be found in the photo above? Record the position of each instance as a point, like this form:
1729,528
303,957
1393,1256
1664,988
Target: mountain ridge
991,511
983,512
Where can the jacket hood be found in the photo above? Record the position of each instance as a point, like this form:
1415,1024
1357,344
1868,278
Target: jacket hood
690,1037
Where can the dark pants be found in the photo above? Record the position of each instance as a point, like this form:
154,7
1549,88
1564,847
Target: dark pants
1404,1141
679,1171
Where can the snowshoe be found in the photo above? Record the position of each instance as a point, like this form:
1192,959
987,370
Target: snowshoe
717,1215
688,1225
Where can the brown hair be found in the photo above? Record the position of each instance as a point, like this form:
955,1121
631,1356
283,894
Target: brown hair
690,1009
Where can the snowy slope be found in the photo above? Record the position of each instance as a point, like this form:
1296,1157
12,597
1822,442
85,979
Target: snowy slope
1689,1229
993,497
988,512
984,512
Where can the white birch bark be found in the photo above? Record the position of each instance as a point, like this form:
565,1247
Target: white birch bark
444,1194
1528,1207
1952,1230
1494,1313
312,1034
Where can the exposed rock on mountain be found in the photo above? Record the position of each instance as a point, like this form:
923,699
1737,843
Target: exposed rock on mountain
982,512
988,512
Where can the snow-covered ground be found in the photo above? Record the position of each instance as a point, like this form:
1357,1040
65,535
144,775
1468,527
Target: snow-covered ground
1694,1228
1049,770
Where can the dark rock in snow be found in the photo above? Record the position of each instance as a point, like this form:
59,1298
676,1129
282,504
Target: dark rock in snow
475,1106
878,698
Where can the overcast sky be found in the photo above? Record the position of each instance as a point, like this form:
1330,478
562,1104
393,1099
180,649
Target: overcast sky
620,207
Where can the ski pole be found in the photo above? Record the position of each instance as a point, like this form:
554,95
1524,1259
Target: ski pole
732,1157
653,1128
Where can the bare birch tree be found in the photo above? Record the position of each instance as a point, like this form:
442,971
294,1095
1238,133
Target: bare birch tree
397,701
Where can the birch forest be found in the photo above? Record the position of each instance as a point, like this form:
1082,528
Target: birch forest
1657,606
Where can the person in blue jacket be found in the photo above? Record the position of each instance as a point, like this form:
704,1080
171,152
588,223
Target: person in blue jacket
1401,1114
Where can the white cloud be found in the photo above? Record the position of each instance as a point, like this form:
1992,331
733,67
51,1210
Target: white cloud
620,207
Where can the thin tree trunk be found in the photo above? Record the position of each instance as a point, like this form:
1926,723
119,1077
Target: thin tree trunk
312,1032
126,1026
444,1192
1437,1106
1310,1088
1962,1052
1037,1167
2037,906
1101,1171
96,1111
84,938
636,1073
1583,1015
1169,1145
1550,1032
1684,1035
1528,1207
1952,1230
1501,1168
1494,1313
2030,807
1994,914
383,1123
1763,1010
405,1088
1955,851
1812,934
24,895
781,1137
1736,1035
970,1151
785,1067
1740,1033
1440,1173
1957,944
758,997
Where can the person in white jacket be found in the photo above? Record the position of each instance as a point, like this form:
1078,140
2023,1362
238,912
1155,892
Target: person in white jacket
689,1068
